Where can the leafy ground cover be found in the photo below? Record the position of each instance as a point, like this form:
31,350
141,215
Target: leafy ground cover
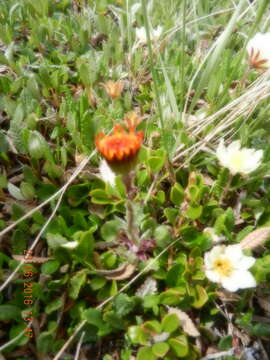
162,251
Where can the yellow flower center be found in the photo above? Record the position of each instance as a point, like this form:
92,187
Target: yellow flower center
238,159
223,267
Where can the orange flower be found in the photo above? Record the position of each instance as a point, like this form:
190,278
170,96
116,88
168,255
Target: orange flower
121,146
114,88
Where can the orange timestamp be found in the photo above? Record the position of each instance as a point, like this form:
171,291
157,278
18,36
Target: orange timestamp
27,290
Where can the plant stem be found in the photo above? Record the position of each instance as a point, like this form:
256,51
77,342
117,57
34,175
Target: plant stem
131,227
226,190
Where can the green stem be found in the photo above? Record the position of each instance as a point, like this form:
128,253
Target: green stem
131,228
226,190
183,55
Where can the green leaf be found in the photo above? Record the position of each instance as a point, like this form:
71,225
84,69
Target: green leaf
94,317
170,323
84,250
8,312
55,240
179,345
36,145
177,194
194,212
100,196
162,235
160,349
200,296
78,193
50,267
18,241
110,230
137,335
153,326
44,342
225,343
261,330
145,353
15,331
261,268
156,160
76,283
54,305
123,304
155,163
171,215
27,190
175,275
3,142
172,296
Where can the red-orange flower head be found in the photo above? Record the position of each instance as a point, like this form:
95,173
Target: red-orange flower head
122,145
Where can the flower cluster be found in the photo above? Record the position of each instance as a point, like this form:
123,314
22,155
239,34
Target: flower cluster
228,266
121,146
142,37
237,159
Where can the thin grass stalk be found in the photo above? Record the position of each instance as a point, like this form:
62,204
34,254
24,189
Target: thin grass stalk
183,54
154,73
213,62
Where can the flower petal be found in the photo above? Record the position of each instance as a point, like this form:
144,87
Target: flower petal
246,262
234,253
106,173
212,275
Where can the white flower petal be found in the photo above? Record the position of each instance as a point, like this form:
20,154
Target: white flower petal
246,262
247,280
243,278
212,275
230,283
211,256
106,173
234,253
237,160
234,146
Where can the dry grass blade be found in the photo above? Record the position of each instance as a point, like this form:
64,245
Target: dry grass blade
121,273
255,238
244,105
34,259
186,322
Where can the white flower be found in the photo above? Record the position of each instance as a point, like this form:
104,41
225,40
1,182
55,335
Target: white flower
238,160
142,37
106,173
228,266
258,49
210,231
